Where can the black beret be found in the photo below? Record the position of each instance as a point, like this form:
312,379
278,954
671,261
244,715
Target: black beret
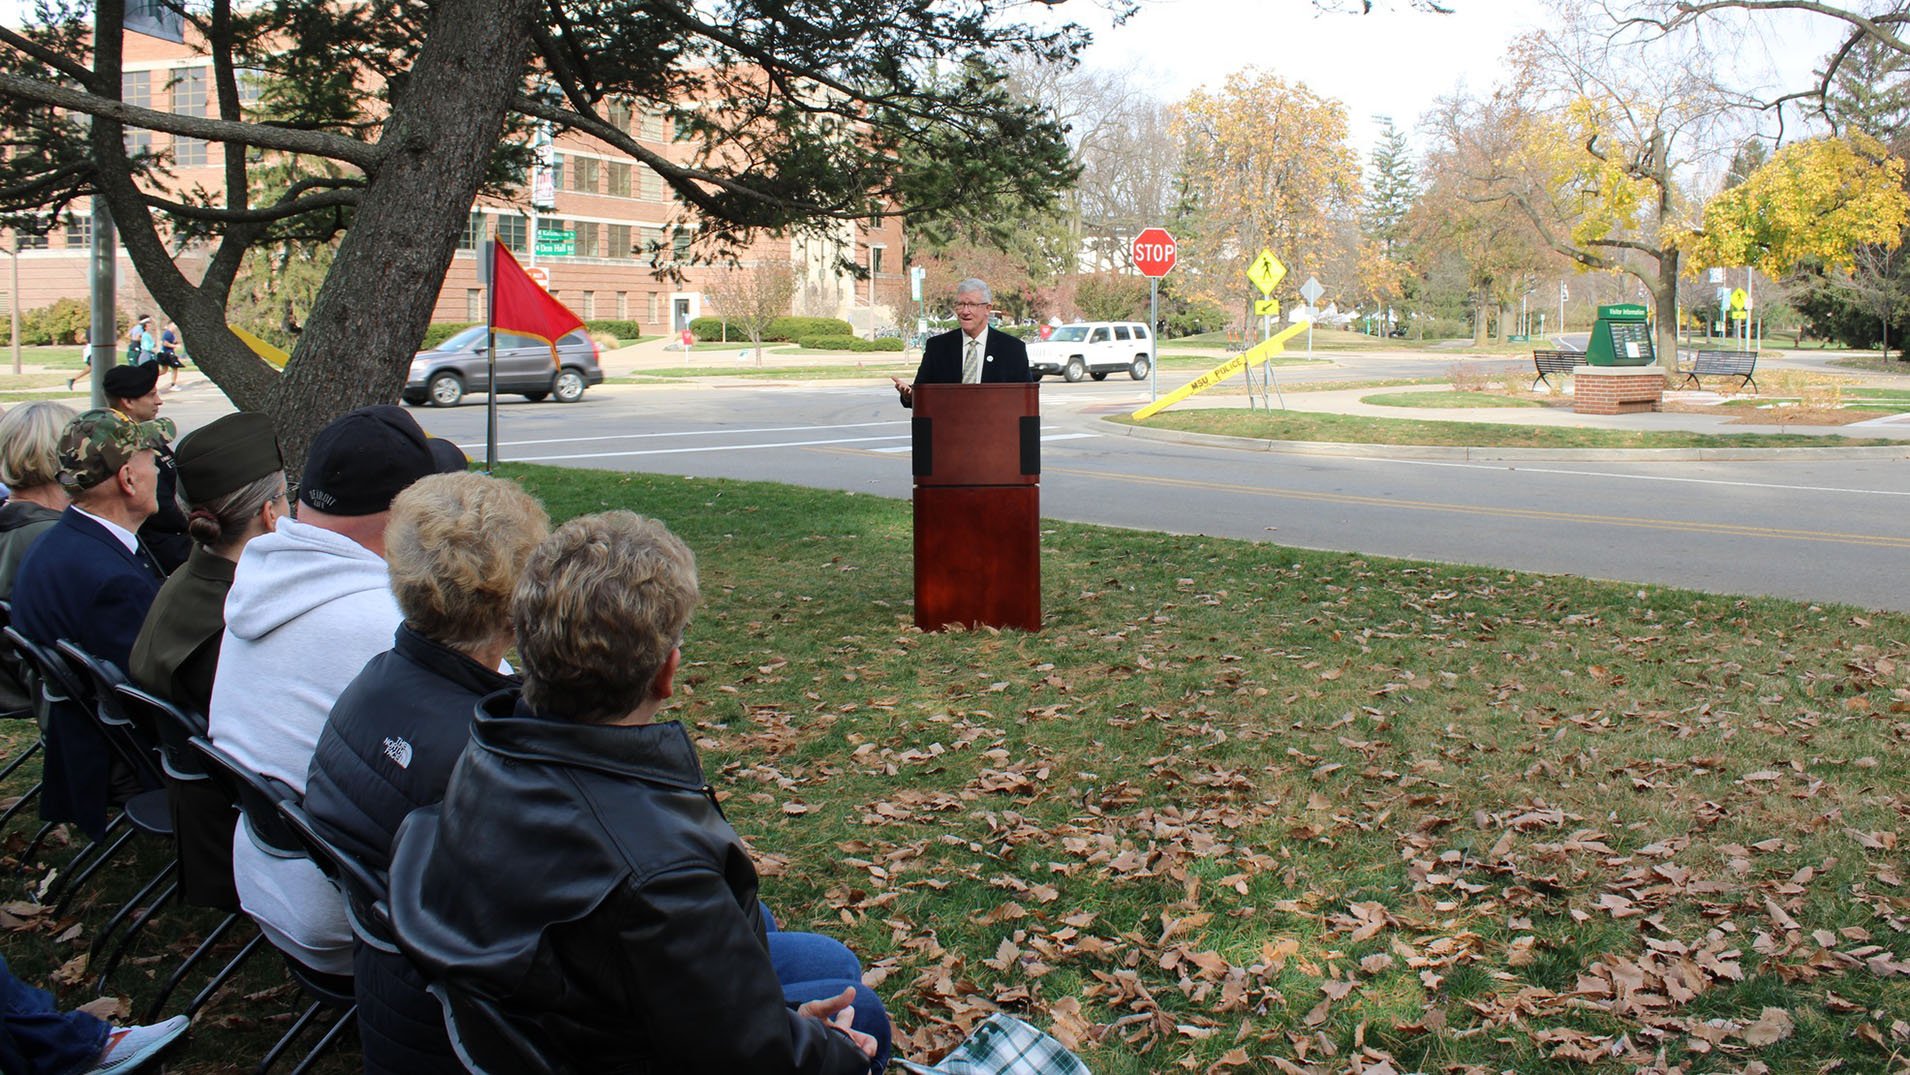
130,382
226,454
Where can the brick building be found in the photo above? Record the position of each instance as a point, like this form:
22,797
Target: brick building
617,217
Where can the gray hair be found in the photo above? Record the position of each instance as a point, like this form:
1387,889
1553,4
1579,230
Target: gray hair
972,286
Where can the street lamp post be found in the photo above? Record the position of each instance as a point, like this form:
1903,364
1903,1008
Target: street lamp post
13,300
875,250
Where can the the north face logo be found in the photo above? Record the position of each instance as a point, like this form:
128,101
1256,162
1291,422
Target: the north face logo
399,751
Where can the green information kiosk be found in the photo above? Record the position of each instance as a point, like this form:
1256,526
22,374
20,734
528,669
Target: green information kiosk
1622,337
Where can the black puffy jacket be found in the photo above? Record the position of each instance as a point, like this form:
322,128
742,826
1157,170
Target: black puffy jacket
583,877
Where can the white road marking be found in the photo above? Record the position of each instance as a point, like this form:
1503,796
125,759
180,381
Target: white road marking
704,448
692,433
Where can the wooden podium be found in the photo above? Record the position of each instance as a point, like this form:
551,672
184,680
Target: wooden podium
977,506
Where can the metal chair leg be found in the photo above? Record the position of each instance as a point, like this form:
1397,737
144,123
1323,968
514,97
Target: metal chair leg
64,874
225,973
331,1035
75,881
32,749
132,931
212,937
38,839
285,1041
7,818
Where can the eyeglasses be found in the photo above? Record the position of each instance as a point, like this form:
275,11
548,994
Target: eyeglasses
971,306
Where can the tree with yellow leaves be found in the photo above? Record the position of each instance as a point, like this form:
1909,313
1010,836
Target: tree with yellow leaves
1818,200
1269,166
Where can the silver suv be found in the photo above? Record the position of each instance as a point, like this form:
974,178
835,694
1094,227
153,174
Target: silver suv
442,375
1093,349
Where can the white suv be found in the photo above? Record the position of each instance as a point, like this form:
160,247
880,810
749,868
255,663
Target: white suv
1095,348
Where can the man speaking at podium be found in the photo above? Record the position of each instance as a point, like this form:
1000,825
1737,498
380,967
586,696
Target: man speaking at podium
972,353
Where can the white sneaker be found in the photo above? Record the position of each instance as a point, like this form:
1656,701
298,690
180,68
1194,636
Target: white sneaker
129,1047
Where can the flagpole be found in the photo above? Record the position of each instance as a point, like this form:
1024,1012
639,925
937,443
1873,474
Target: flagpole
490,357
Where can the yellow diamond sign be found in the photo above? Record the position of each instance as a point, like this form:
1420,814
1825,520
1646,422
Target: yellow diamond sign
1266,272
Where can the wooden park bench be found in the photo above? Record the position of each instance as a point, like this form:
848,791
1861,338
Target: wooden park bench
1551,362
1738,364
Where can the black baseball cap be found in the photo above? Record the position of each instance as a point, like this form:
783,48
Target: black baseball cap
361,461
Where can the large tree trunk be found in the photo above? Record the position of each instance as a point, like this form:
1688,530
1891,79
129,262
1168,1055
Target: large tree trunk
1665,294
376,303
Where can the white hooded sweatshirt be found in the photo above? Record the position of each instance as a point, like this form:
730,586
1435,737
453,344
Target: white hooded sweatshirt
307,609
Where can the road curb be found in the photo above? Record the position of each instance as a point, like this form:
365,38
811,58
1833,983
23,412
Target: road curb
1506,455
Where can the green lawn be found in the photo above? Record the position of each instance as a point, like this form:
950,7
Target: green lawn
1248,808
1308,426
1434,400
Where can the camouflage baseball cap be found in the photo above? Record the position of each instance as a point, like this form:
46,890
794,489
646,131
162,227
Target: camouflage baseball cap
97,443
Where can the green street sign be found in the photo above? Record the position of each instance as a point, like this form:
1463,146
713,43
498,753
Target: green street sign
559,244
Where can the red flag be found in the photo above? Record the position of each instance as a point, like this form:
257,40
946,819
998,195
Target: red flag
519,305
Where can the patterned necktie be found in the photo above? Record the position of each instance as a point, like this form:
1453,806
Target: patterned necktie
972,363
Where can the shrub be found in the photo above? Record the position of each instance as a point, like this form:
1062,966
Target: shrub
714,328
66,321
438,333
622,330
796,328
888,343
836,341
1019,332
1194,318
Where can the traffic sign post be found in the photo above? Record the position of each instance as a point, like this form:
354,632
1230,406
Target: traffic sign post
1154,253
1311,292
1265,274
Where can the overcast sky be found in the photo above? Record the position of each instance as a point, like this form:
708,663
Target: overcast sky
1394,62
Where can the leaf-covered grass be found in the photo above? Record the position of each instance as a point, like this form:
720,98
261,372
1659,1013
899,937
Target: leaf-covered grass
1353,429
1896,363
1240,807
1439,400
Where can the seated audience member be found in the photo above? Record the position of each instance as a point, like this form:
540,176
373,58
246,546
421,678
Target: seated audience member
90,580
37,1038
579,872
310,603
30,469
232,482
454,546
134,392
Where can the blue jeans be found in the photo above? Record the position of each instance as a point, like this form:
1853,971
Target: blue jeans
811,966
37,1038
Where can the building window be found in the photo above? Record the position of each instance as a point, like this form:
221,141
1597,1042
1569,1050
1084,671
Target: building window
584,244
473,231
618,245
589,306
24,240
557,171
189,99
620,178
136,88
251,85
875,260
474,304
79,231
623,305
680,244
649,185
650,245
584,176
511,231
652,318
620,115
652,127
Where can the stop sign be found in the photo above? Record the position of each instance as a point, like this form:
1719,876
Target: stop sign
1153,252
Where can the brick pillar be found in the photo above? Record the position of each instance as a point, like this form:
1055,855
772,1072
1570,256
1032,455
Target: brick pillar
1617,389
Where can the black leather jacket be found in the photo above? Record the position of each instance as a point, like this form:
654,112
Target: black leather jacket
583,877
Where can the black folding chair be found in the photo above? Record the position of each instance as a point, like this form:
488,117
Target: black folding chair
174,727
489,1042
57,684
258,798
15,668
364,888
149,811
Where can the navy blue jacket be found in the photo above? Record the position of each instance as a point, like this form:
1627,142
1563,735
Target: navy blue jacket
79,583
388,748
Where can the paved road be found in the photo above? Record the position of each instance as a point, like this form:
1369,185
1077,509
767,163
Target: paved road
1836,530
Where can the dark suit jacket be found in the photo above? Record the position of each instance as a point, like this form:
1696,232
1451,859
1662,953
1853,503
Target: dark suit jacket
1004,359
80,583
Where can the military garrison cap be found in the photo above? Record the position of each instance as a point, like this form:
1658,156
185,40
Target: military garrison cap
225,455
